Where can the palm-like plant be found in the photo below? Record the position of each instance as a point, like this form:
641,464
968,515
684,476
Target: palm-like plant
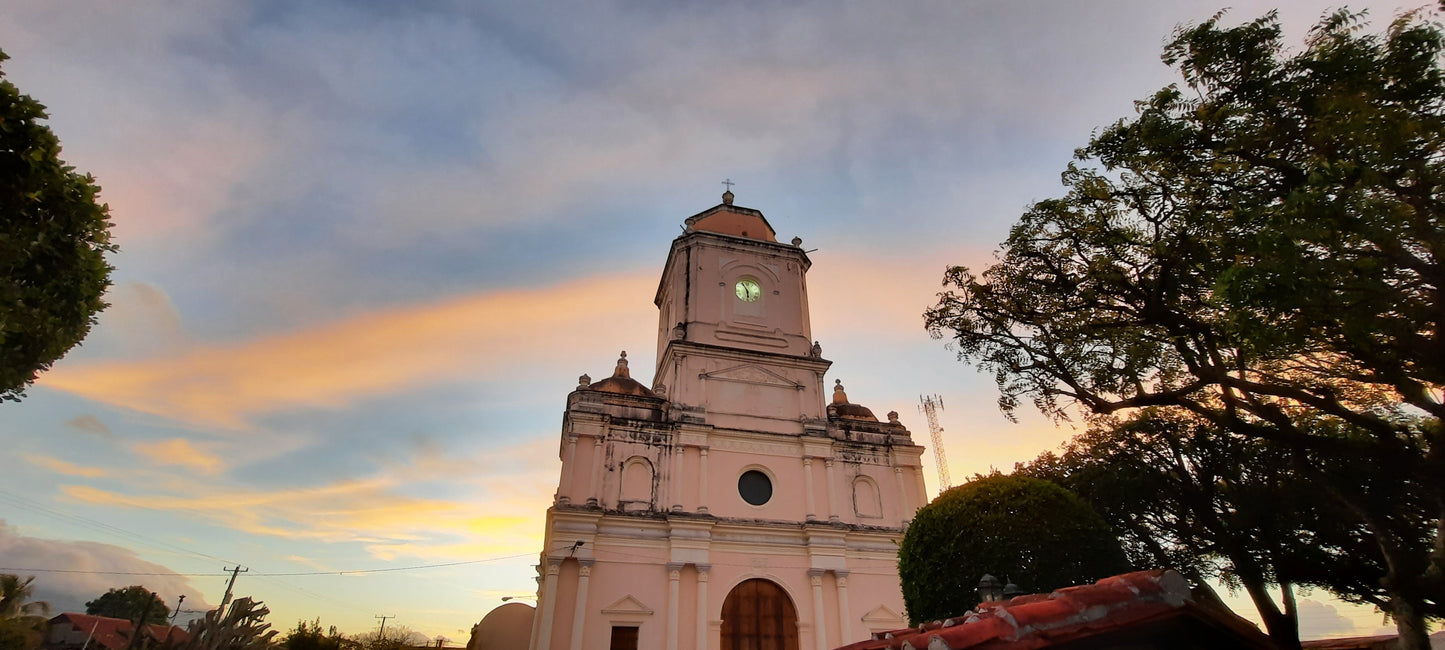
22,623
14,593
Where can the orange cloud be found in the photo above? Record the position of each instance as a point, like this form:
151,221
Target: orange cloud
179,451
62,467
483,336
501,515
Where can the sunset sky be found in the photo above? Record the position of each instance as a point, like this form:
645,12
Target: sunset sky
368,247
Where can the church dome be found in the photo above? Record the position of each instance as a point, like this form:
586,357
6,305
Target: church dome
854,412
842,408
728,219
621,382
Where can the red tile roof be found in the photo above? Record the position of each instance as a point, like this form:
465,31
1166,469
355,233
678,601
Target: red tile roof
114,633
1136,603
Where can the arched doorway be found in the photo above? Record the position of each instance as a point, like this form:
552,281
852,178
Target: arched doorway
758,615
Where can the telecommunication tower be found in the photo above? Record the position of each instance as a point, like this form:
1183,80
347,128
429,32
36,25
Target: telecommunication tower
931,405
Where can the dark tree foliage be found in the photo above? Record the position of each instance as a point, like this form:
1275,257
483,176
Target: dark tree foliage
1211,504
308,636
131,604
1029,531
53,239
1260,247
22,621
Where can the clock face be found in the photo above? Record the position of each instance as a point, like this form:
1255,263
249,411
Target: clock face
748,290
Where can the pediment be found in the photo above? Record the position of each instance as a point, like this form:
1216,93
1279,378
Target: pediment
881,614
752,374
628,606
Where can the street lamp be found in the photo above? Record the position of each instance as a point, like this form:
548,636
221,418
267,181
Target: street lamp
990,590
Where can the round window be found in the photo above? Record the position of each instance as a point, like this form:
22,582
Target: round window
755,487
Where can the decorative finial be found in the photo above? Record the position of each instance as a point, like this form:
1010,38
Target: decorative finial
621,370
797,241
839,397
817,350
584,381
728,193
893,417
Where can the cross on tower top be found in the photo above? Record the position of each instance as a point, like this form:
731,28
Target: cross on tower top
729,183
728,194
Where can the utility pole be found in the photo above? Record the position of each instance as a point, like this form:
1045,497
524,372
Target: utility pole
227,600
381,634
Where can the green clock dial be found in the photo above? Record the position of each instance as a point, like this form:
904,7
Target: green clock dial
748,290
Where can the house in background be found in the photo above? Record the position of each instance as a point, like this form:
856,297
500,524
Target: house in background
76,631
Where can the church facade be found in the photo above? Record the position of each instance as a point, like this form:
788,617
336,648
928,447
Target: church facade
730,503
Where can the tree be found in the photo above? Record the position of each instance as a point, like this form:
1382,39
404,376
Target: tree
308,636
1210,504
398,637
22,621
134,603
1026,530
1260,248
53,240
15,597
241,627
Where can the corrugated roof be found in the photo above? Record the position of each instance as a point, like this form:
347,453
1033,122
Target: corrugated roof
115,633
1070,616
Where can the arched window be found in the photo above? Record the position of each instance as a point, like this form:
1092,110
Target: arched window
636,490
866,502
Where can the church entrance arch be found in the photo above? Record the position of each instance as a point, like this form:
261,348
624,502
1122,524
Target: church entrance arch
758,615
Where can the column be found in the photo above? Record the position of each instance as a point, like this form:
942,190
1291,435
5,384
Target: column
832,481
808,486
702,480
702,574
564,487
549,603
537,620
903,510
674,578
845,618
594,491
579,613
820,625
677,453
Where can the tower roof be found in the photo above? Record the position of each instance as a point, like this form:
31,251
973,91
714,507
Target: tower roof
729,219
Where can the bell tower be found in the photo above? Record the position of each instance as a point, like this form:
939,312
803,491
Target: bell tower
726,504
734,340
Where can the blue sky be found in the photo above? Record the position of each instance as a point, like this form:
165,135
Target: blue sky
366,249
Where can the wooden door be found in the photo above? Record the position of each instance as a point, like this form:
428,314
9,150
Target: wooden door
758,615
623,638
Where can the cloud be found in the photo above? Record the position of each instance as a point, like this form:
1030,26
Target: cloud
90,424
504,495
85,563
488,335
1319,620
179,451
62,467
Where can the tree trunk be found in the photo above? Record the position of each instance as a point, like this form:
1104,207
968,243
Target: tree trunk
1410,623
1283,629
